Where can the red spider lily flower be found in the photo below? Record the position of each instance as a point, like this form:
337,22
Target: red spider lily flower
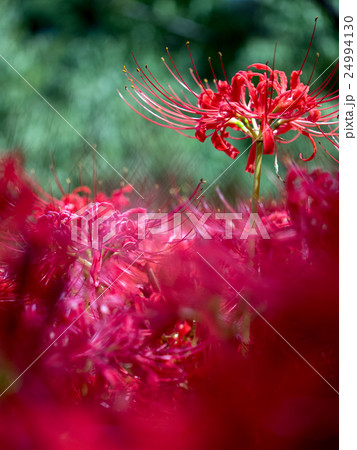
257,103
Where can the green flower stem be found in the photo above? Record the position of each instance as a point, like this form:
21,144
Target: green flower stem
257,174
246,315
256,189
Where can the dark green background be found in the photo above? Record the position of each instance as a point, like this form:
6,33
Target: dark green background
73,52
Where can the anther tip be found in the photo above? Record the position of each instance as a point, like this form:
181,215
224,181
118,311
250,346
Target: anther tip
220,53
187,42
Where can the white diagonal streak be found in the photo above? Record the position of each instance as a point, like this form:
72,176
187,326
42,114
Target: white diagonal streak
70,125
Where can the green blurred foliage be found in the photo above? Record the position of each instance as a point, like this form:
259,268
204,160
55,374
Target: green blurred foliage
73,52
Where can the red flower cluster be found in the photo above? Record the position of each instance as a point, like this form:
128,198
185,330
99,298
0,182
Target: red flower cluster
271,111
141,343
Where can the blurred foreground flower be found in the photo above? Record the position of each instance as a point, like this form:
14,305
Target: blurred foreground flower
139,340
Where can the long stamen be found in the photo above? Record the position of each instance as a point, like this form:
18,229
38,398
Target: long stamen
156,81
313,69
193,63
272,76
179,79
202,87
160,89
223,69
326,135
178,73
214,75
215,80
53,170
178,105
171,102
308,50
325,83
329,152
265,118
172,125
